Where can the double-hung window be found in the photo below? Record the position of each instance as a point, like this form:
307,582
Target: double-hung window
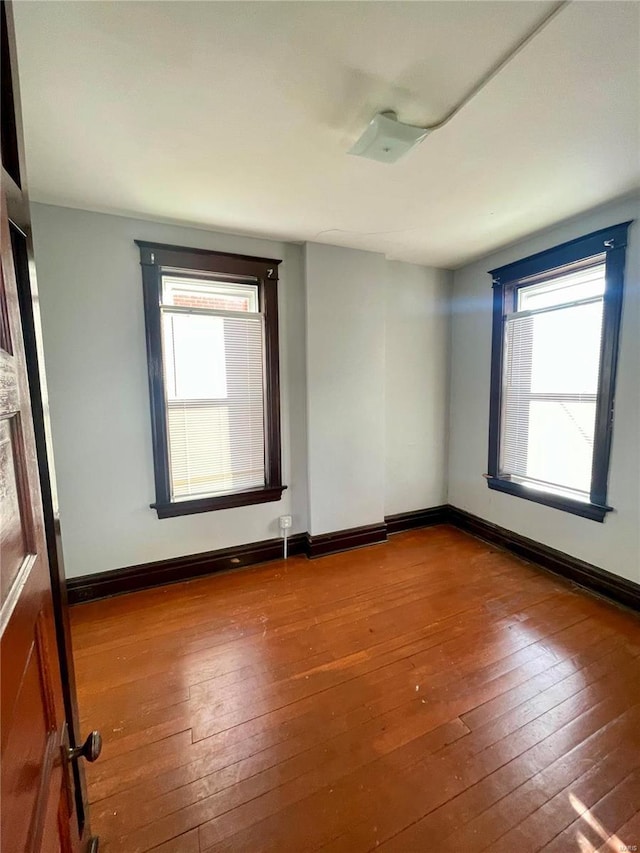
212,347
555,341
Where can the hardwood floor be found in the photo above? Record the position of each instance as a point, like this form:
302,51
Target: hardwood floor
429,694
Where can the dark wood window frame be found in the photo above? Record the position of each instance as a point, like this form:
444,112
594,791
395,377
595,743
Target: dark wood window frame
612,243
155,258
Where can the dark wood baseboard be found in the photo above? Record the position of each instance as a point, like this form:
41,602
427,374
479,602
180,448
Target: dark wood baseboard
134,578
583,574
417,518
345,540
147,575
372,534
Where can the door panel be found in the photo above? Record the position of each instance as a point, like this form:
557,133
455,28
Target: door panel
13,535
31,743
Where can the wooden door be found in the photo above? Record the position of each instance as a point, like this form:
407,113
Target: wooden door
42,782
37,799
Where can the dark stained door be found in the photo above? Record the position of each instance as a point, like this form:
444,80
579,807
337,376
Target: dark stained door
37,800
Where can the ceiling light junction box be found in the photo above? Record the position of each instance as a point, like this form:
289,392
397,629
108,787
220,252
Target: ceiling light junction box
386,139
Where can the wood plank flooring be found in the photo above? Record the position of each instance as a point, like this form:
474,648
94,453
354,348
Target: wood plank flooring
429,694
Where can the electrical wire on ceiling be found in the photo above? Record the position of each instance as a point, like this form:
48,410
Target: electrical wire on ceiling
386,139
500,64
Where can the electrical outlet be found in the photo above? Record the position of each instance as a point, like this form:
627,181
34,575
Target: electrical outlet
285,522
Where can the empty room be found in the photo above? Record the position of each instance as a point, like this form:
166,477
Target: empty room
320,426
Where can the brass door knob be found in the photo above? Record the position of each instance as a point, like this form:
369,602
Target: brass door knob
90,749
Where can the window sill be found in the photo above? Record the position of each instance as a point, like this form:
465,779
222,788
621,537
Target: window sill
210,504
586,510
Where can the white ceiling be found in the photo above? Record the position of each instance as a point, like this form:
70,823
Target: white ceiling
238,115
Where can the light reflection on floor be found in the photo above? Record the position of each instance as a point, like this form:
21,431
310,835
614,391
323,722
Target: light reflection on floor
611,841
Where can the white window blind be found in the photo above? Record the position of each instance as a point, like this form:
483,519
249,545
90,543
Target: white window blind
551,358
213,346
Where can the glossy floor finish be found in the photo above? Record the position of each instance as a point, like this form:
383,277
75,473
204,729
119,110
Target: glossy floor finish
429,694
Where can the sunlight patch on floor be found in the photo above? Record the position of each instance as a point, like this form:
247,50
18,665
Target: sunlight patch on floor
611,841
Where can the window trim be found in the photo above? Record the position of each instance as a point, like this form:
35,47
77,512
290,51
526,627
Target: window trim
154,259
612,242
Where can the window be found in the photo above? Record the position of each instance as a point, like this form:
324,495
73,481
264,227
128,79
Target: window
556,319
212,346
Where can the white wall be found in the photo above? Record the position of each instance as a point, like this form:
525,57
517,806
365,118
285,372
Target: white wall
345,387
416,386
614,545
377,349
93,330
377,380
368,338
